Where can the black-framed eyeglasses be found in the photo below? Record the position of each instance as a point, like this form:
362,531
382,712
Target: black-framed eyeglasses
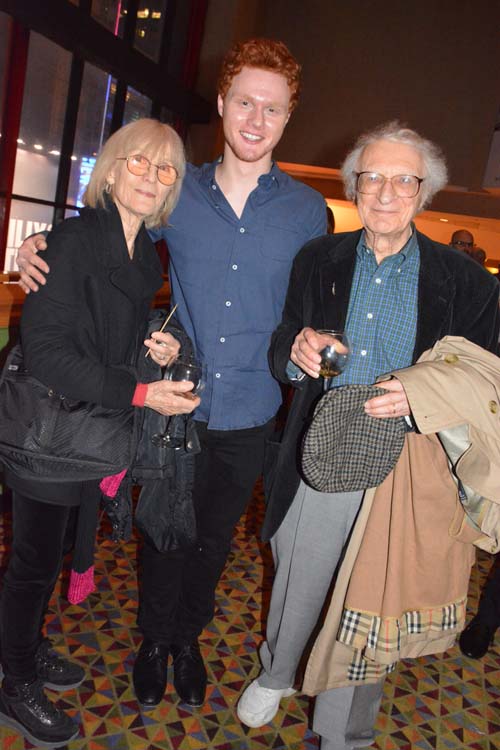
138,165
462,243
404,185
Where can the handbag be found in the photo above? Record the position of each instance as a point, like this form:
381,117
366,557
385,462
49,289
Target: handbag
48,437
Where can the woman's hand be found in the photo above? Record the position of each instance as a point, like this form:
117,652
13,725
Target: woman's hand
392,404
164,348
170,397
31,265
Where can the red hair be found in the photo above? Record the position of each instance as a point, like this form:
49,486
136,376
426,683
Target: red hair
267,54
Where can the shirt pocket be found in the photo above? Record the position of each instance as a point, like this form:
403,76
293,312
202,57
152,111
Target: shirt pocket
279,242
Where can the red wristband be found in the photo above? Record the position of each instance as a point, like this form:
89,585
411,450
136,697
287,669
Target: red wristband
139,398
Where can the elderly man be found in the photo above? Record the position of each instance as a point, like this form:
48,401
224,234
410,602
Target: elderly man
395,292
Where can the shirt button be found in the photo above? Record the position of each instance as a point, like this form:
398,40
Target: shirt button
369,316
228,303
234,267
242,230
214,187
363,352
217,375
399,270
378,281
222,339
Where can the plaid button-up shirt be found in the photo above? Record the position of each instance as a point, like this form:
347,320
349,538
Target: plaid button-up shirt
382,314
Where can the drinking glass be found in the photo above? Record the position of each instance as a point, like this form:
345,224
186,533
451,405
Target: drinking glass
187,368
181,368
335,351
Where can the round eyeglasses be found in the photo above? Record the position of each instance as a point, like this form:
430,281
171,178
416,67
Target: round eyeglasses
404,185
138,165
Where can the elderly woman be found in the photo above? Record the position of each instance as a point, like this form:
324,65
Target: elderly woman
395,292
82,334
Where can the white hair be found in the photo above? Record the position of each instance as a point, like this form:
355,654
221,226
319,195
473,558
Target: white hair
435,171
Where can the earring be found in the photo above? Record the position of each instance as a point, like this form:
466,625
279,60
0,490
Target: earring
108,188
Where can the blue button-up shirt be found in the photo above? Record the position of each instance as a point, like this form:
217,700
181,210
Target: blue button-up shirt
229,278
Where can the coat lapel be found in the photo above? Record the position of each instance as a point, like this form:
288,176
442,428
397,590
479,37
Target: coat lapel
435,294
336,272
136,280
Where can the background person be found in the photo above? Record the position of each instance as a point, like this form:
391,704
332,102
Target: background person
478,636
462,239
395,292
232,239
81,335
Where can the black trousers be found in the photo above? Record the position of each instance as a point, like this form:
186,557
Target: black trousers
489,605
42,534
177,589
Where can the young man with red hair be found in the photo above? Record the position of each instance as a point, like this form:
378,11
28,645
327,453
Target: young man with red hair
232,238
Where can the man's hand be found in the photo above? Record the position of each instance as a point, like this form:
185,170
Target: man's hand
305,351
30,264
170,397
394,403
164,348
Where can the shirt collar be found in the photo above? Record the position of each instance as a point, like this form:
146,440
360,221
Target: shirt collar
266,181
409,249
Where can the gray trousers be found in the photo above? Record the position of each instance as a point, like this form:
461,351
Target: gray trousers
306,550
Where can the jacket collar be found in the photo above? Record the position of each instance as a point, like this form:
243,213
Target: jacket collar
137,277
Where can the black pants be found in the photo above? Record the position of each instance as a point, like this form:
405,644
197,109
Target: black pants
489,606
42,534
177,591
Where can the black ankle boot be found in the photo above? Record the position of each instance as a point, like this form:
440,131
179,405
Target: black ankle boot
150,673
190,675
26,708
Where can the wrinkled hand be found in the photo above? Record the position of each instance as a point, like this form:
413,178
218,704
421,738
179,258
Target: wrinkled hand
394,403
164,348
171,397
30,264
305,351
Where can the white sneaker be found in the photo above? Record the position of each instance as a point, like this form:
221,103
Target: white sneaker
259,705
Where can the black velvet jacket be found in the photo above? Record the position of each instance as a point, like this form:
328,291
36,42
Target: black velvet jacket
455,297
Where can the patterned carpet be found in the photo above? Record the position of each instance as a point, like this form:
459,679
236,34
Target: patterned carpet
445,703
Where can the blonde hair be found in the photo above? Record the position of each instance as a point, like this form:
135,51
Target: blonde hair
154,139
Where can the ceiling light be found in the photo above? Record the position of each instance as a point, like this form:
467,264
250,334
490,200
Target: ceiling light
20,141
445,220
38,146
74,158
54,152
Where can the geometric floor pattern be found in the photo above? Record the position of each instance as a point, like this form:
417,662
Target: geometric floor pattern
440,703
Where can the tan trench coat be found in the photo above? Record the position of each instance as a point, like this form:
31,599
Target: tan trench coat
454,382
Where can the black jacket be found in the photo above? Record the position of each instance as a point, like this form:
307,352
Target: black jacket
82,331
455,297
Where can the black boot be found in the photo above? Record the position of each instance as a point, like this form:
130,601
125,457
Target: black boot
476,639
56,672
190,675
150,673
26,708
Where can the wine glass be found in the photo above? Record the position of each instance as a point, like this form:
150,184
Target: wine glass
335,352
181,368
187,368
